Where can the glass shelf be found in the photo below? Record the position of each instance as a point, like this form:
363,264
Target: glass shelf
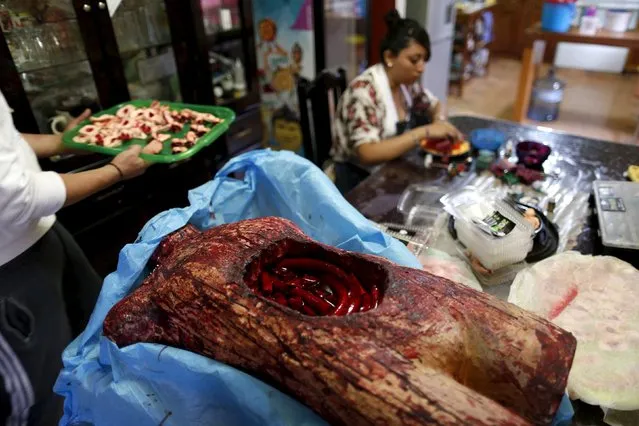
47,45
225,36
220,16
136,49
50,66
48,51
144,41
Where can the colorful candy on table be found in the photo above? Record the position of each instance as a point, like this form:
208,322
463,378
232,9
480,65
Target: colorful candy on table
632,173
445,149
531,156
487,142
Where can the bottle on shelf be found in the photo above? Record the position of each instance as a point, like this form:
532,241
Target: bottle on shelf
6,20
239,80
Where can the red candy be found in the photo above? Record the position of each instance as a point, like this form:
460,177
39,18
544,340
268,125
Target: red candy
315,287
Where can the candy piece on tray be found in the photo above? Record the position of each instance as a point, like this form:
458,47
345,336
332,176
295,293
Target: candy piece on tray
161,137
89,130
98,139
125,111
146,128
167,117
102,118
154,147
125,123
138,133
81,139
177,149
199,129
210,118
191,136
111,141
137,114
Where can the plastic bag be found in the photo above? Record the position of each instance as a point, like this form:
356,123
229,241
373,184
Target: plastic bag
147,384
453,268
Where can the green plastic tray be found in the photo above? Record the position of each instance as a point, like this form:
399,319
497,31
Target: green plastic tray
165,156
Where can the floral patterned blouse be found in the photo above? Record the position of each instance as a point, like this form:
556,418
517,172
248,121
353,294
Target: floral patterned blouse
366,112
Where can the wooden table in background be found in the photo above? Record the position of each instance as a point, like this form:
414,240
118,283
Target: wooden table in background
536,40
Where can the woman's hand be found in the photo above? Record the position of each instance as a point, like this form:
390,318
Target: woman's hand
125,165
74,122
129,163
442,130
46,146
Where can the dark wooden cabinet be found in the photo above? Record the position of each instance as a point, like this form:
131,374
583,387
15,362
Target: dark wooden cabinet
512,18
508,22
71,54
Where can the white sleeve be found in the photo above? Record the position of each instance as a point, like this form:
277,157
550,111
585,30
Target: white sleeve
432,99
25,194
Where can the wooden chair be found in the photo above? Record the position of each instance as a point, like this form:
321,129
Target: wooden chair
318,102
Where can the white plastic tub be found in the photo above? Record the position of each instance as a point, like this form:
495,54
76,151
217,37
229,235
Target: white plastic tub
617,20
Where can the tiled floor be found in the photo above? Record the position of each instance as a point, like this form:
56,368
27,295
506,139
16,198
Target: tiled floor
596,105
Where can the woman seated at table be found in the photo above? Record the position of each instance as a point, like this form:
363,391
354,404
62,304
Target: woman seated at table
385,112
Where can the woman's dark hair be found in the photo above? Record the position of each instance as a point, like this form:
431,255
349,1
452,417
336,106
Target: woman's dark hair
401,32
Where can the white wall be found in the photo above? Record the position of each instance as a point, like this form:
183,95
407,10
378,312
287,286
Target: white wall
400,5
591,57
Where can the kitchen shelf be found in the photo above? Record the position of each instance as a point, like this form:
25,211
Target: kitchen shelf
50,66
467,20
224,36
136,49
238,104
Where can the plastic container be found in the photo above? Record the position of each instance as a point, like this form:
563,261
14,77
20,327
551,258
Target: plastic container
617,20
488,139
557,15
492,231
420,205
547,94
589,22
165,156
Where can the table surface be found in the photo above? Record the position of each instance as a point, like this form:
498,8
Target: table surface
610,38
586,159
589,159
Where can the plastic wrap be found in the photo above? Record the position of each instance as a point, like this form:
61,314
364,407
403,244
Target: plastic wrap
453,268
420,206
595,298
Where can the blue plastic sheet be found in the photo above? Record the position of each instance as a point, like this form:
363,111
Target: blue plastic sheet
145,384
149,384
